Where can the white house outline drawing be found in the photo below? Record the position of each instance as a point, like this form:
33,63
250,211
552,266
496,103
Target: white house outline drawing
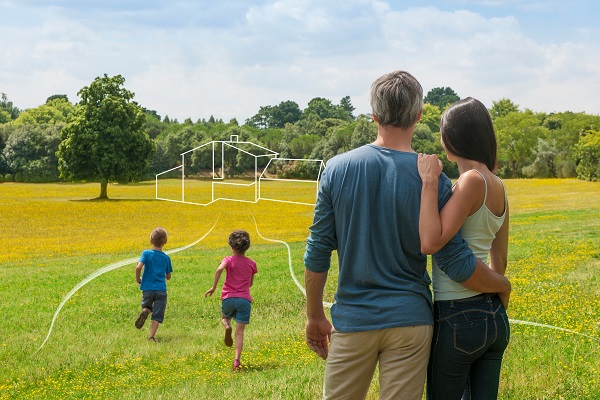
218,173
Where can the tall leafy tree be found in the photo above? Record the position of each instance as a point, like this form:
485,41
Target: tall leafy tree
270,138
4,116
57,96
431,117
301,146
441,97
263,118
347,106
5,131
7,108
339,137
31,151
588,155
320,108
104,140
56,110
518,134
545,163
286,112
565,130
365,131
502,108
427,141
152,125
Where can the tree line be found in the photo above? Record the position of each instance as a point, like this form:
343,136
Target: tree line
108,137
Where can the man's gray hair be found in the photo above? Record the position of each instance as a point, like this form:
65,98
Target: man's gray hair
397,99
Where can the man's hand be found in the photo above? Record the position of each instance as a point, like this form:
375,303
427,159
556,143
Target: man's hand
318,334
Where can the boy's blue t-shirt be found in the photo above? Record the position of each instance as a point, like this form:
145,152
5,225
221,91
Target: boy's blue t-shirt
156,267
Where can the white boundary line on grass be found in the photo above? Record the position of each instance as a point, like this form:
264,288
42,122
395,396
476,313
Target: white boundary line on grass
106,269
325,303
519,322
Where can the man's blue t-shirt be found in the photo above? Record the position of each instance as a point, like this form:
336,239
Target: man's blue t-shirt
368,210
156,267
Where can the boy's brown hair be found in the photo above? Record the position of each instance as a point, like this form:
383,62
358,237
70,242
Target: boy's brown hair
158,237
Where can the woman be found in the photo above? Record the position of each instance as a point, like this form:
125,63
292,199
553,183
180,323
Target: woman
471,329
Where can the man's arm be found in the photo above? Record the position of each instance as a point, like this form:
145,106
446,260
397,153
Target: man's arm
317,259
463,267
318,327
485,280
460,264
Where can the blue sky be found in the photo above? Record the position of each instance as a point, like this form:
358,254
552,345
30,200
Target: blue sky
227,58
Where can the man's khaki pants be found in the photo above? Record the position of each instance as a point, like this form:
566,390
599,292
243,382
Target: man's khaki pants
402,354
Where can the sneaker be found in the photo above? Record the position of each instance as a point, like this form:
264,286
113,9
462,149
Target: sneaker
228,339
153,339
142,318
237,365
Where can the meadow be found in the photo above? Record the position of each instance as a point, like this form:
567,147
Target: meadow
54,236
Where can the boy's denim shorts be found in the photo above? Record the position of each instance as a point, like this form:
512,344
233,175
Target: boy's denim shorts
237,308
155,300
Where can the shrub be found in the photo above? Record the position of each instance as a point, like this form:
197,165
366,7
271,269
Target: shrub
587,153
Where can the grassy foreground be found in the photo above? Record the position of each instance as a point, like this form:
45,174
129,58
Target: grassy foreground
54,237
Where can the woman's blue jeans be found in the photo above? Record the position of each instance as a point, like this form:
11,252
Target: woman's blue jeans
469,339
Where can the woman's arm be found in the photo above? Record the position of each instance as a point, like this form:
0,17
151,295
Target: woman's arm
499,250
499,255
430,225
436,228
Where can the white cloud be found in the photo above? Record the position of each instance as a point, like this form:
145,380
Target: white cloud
188,59
491,58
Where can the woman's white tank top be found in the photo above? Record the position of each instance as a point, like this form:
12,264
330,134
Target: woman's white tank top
479,230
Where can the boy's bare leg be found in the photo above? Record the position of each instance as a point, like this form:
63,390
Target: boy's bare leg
139,323
153,328
239,343
227,324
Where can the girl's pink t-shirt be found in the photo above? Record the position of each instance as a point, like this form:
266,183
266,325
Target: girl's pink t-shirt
240,270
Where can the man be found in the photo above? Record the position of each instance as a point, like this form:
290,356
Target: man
367,210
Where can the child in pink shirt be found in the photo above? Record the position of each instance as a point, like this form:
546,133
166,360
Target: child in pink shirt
235,295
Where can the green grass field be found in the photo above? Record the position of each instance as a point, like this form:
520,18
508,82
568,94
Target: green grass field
54,237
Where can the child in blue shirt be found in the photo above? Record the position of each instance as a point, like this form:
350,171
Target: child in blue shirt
157,269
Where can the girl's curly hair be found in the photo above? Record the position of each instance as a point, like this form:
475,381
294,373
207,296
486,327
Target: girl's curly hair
240,241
